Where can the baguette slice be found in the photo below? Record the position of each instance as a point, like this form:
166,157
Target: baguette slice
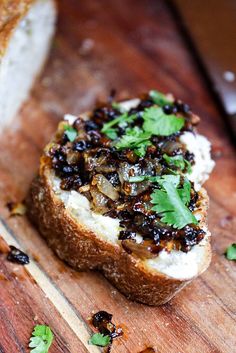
26,30
89,241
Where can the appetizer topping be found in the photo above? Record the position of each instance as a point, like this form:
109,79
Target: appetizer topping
17,256
97,339
41,339
107,330
231,252
132,165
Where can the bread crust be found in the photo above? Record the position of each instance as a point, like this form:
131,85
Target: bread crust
11,12
83,250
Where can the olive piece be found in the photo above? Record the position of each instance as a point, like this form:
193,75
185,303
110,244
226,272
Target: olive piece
94,137
90,125
17,256
101,316
182,107
124,234
113,177
168,109
145,104
67,170
80,146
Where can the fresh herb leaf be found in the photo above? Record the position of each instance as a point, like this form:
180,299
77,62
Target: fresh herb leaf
174,179
120,120
98,339
135,139
142,148
185,192
41,339
170,205
172,171
116,106
158,123
159,98
175,161
70,132
188,166
231,252
111,133
178,162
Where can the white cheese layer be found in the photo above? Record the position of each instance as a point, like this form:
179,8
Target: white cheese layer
178,264
201,148
78,205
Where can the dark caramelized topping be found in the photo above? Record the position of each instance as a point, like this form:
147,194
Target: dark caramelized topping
102,321
17,256
101,317
101,156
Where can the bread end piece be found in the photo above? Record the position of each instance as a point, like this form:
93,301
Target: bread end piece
26,30
84,250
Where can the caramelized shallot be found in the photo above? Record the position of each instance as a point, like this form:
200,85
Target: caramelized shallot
105,187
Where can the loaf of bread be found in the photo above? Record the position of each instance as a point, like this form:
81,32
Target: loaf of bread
112,195
26,30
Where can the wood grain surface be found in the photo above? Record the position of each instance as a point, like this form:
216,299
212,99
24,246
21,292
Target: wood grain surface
133,46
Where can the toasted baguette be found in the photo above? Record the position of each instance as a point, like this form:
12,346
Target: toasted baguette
26,29
86,248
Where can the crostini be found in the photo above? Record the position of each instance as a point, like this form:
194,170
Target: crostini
119,190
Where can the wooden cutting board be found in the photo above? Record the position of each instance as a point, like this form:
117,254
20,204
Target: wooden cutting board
133,46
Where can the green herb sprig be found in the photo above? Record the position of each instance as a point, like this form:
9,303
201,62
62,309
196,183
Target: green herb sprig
160,124
70,132
178,162
100,340
135,139
159,98
155,123
174,179
41,339
123,119
231,252
170,200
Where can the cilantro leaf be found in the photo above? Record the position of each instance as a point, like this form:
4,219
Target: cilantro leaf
159,98
135,139
169,204
175,161
231,252
70,132
158,123
174,179
41,339
188,166
178,162
185,192
111,133
142,148
116,105
120,120
98,339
